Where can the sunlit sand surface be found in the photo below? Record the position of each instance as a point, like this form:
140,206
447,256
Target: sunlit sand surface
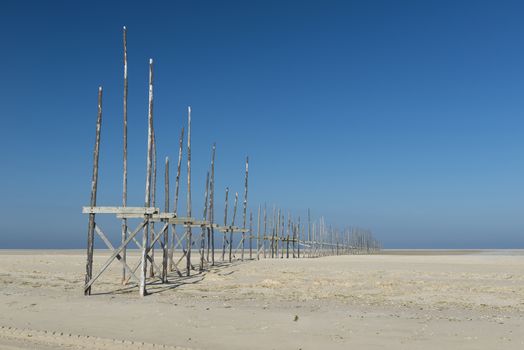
470,299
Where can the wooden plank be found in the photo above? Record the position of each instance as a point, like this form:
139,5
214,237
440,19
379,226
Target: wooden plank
154,217
163,216
232,229
119,210
185,221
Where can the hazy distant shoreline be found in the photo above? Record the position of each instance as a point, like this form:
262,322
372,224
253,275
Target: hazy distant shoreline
399,251
451,251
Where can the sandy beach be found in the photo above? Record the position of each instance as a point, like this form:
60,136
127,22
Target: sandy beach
396,300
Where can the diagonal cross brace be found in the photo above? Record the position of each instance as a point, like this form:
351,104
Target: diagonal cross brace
157,236
115,253
110,246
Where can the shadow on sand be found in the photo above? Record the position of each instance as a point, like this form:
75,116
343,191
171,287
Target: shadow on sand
174,280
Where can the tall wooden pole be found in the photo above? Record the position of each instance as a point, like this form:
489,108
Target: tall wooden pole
258,233
212,205
94,186
224,239
206,217
277,229
336,239
124,181
265,231
175,205
204,228
288,231
298,238
231,231
153,203
273,223
189,233
165,251
145,235
250,235
315,238
282,232
245,207
309,231
292,238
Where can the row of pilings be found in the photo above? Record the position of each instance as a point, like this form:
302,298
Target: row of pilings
166,232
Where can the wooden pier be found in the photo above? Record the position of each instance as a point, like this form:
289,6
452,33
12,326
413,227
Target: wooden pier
275,236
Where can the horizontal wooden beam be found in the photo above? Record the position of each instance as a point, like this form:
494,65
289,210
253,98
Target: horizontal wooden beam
120,210
153,217
167,217
232,229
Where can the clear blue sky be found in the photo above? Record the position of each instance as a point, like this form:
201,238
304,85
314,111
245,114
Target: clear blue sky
405,117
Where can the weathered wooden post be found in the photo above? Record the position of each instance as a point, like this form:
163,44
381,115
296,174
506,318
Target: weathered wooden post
301,236
337,245
298,242
153,203
175,205
189,237
145,235
265,231
288,232
124,181
293,239
204,227
309,232
250,235
212,205
314,240
245,208
165,252
231,230
224,239
282,232
258,233
277,228
273,233
94,186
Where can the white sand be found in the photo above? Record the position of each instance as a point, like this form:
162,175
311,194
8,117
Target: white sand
397,301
